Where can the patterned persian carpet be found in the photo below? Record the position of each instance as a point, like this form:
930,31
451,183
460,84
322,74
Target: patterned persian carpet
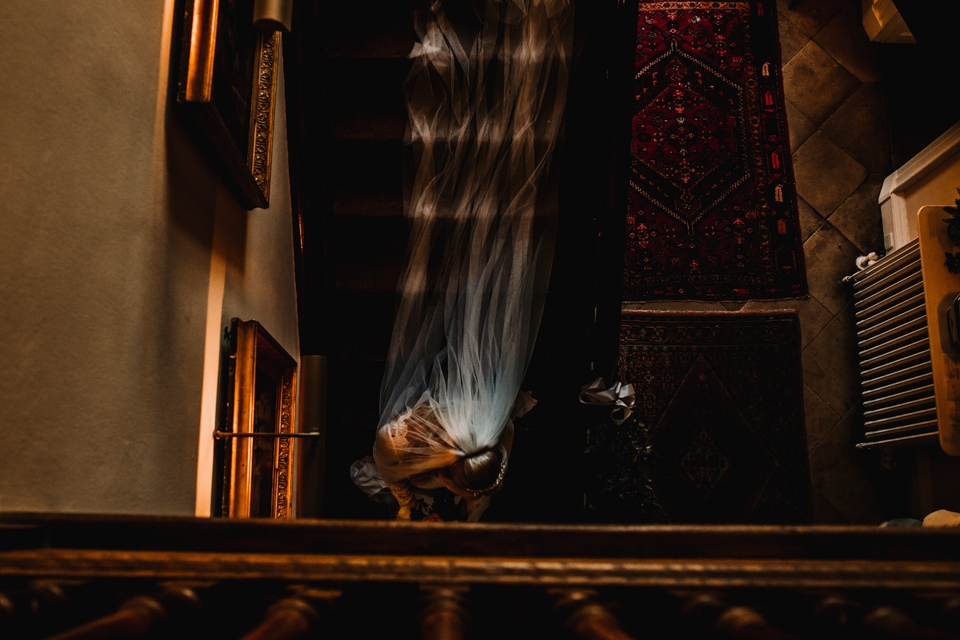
721,395
712,211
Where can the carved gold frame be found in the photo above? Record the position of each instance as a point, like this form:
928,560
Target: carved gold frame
246,170
257,353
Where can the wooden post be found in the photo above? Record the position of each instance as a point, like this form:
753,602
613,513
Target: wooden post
287,619
747,624
709,611
134,618
891,622
295,616
585,617
443,617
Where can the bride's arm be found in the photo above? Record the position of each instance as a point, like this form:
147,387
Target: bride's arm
403,492
391,441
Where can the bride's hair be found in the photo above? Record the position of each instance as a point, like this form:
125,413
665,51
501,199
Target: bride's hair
480,473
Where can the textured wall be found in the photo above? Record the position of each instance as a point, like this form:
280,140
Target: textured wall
108,218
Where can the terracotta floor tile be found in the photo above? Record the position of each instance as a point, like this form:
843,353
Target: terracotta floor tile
810,220
792,39
858,218
826,175
859,127
872,515
847,318
842,474
799,127
846,41
829,257
815,83
830,369
810,16
819,417
825,513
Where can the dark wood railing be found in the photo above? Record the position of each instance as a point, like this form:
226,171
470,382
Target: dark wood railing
76,577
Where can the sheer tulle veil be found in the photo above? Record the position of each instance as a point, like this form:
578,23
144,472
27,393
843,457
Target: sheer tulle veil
485,99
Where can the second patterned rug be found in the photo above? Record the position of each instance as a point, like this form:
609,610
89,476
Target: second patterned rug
721,397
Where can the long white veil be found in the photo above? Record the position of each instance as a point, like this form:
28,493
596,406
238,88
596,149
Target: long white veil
485,100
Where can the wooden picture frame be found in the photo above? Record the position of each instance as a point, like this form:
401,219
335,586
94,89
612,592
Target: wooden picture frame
227,90
257,478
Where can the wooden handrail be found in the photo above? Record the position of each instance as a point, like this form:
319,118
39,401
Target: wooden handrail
464,570
21,530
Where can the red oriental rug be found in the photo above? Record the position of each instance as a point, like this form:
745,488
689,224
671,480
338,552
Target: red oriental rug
721,397
712,210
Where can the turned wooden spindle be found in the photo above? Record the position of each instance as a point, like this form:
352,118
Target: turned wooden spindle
136,617
831,614
892,622
444,616
950,612
8,610
287,619
585,617
708,611
744,623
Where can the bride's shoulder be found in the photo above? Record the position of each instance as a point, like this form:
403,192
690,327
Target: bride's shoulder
392,432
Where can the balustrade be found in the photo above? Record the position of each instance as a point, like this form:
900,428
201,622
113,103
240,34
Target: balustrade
76,578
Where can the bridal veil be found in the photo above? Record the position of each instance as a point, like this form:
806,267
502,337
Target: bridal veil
485,99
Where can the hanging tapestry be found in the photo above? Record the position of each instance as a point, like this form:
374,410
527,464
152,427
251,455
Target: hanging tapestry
721,398
711,209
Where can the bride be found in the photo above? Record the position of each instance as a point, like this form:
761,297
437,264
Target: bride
485,99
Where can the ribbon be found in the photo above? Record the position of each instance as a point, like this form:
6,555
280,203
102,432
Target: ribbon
620,396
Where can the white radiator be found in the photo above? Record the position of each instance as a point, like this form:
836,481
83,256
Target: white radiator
899,406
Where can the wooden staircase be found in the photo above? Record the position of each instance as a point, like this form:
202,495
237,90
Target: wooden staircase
345,67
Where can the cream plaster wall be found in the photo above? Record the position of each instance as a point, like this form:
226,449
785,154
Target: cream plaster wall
121,255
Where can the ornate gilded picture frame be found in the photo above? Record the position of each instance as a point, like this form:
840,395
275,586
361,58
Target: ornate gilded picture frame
257,478
227,88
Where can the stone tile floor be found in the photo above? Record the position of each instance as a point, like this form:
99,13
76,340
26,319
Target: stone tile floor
840,144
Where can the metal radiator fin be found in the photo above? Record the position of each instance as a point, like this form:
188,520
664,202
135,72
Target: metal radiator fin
896,375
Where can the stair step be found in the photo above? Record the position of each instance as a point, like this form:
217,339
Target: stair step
359,388
379,40
368,126
374,204
358,163
369,102
369,252
366,177
370,29
363,324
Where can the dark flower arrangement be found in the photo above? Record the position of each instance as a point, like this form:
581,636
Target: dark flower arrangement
618,488
953,231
